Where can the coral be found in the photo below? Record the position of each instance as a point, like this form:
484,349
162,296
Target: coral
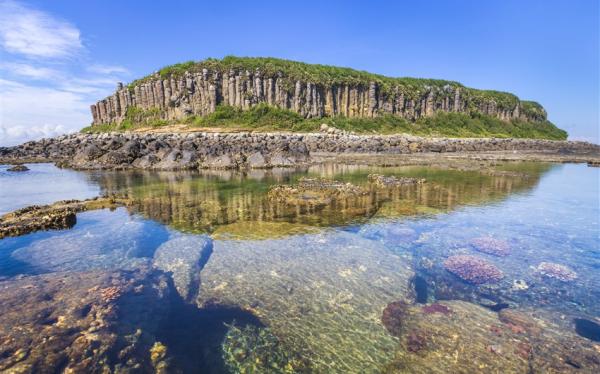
393,315
489,245
556,271
473,269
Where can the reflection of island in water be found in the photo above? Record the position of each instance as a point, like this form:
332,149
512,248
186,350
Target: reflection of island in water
238,204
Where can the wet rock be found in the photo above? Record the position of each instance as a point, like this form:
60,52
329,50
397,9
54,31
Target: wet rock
491,246
60,215
256,160
118,150
18,168
473,269
183,256
556,271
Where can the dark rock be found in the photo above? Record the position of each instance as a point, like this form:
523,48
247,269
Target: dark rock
18,167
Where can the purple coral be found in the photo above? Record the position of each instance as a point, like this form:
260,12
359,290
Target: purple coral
489,245
473,269
556,271
393,315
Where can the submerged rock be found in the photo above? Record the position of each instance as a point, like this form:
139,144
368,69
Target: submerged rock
183,256
473,339
321,294
473,269
82,322
492,246
556,271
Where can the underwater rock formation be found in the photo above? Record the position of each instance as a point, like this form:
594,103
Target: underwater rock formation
82,322
492,246
182,256
473,269
321,294
472,339
556,271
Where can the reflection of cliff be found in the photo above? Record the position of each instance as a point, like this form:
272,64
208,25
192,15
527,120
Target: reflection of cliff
202,201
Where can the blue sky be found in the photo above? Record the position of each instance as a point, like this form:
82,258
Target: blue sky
58,57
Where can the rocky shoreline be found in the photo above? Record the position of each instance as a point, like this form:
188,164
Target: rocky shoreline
173,151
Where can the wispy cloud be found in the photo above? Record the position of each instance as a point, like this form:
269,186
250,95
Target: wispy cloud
33,33
107,69
47,81
28,70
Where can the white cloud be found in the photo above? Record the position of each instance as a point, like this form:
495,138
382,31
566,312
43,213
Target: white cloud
29,112
107,69
29,71
47,82
33,33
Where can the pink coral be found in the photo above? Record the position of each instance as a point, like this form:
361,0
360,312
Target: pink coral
489,245
556,271
473,269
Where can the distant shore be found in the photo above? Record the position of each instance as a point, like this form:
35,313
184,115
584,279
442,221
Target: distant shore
192,150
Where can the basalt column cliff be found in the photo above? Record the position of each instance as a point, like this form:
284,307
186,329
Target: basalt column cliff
197,88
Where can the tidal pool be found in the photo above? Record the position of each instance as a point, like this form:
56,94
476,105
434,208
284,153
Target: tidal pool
482,268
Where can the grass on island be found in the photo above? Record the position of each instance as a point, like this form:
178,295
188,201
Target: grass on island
288,72
265,118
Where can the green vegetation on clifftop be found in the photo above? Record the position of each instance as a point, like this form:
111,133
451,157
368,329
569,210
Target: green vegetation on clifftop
326,75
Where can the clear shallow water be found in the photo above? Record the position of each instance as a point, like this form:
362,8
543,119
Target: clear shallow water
42,184
228,280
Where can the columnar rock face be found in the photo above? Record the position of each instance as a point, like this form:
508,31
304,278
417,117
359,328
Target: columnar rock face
198,91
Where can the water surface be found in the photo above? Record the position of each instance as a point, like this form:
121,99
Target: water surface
242,283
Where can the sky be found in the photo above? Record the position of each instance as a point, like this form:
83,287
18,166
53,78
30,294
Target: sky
58,57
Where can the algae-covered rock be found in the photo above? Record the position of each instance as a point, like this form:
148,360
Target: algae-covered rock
182,256
472,339
92,322
321,294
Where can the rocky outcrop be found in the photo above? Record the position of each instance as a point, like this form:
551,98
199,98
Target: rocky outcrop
253,150
204,85
60,215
